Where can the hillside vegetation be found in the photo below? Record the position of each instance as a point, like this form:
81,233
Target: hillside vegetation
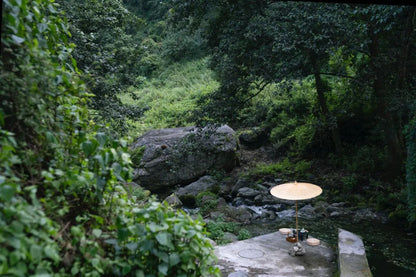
170,95
331,86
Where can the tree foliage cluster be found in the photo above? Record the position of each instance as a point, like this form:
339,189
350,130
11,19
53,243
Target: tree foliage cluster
358,62
65,209
118,44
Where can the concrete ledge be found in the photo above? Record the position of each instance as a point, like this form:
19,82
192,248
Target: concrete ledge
351,255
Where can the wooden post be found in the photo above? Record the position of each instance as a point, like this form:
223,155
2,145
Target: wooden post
297,231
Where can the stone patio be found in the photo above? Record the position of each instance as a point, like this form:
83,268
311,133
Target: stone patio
268,255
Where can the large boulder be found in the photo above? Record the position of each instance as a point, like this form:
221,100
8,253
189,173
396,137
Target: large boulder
206,183
181,155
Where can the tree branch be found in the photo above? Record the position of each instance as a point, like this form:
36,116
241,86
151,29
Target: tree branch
337,75
261,86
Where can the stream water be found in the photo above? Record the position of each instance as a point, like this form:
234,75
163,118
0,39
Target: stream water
391,252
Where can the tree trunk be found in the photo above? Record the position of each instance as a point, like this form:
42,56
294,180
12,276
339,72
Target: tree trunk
392,138
403,65
320,90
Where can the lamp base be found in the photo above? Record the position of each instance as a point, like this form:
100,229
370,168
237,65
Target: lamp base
297,250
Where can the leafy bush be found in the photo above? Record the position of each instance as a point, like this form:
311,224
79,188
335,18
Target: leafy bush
218,228
282,168
182,44
137,154
62,182
244,234
170,96
110,53
206,201
162,242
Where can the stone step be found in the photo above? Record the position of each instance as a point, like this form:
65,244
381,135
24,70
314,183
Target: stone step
351,255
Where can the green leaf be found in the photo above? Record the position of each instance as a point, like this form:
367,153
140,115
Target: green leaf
174,259
165,239
88,147
75,269
97,233
17,227
95,262
36,252
50,137
51,253
123,234
42,27
102,139
7,192
163,268
162,238
126,269
17,40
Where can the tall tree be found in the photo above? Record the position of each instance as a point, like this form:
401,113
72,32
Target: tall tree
256,43
388,70
109,51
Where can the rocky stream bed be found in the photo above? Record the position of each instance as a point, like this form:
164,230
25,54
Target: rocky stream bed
182,162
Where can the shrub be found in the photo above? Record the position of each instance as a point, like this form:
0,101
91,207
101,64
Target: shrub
244,234
137,154
206,201
282,168
62,181
217,229
161,242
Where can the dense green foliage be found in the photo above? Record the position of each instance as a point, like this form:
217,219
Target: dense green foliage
170,96
324,80
111,53
64,207
329,81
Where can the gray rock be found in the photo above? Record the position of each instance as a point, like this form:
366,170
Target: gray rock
181,155
368,215
286,214
247,192
173,201
215,215
238,274
243,215
258,199
270,215
239,214
238,201
205,183
222,202
335,214
339,204
262,188
253,138
230,237
297,250
275,207
269,185
307,212
242,182
265,199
